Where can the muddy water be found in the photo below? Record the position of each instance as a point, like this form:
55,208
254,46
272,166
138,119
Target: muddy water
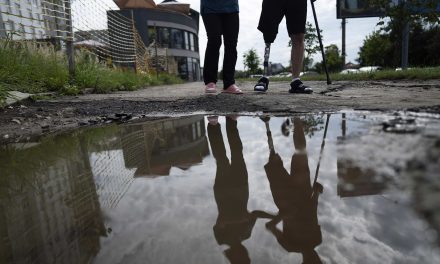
341,188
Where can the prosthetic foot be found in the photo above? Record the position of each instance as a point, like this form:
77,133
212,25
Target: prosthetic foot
262,85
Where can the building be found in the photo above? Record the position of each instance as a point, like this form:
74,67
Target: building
147,150
32,19
168,30
49,209
153,148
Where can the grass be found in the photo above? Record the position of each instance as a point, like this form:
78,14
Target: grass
387,74
3,94
30,68
92,74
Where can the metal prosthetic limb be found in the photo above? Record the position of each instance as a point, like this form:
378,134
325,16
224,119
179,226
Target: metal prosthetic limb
266,120
269,138
263,82
266,59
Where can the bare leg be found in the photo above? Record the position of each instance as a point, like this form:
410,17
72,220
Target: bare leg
297,54
297,58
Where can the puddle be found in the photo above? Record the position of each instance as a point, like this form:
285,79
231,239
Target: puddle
342,188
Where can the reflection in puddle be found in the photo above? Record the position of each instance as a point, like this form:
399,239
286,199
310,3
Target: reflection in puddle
302,189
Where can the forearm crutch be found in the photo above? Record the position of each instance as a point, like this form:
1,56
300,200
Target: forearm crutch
322,149
320,42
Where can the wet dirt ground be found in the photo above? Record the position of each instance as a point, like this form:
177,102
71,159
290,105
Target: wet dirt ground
34,118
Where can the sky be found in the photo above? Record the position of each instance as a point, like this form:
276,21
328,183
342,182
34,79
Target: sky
249,37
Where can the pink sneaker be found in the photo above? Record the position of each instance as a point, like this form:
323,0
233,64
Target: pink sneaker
213,120
232,89
211,88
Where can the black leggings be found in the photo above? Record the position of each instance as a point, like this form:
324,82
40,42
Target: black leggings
217,25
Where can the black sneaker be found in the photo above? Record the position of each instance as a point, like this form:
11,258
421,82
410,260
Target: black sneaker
297,86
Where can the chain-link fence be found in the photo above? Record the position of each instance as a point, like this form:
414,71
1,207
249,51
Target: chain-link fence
75,25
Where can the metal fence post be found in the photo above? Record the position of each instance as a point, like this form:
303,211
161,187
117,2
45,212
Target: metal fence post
69,41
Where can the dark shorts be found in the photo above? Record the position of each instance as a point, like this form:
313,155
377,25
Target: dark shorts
273,12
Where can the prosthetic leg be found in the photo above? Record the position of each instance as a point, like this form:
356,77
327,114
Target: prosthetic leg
269,134
263,82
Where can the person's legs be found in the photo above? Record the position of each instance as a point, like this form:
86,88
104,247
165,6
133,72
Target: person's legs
296,15
213,27
299,167
272,12
231,24
297,54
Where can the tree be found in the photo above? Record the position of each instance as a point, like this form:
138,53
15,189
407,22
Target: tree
377,49
311,44
380,49
334,59
402,14
251,61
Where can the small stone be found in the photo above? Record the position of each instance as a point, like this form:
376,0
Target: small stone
5,136
16,121
23,106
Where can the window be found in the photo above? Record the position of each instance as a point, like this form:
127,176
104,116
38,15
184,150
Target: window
196,69
22,31
182,67
196,43
190,69
29,10
151,36
11,25
186,41
177,39
164,37
191,41
18,9
8,4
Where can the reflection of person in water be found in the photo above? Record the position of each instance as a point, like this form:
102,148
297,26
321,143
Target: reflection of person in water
295,198
234,222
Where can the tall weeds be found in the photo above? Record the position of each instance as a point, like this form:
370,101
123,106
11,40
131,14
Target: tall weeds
31,67
27,67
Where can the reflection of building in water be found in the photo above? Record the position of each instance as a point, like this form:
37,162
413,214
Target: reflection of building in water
49,210
149,149
154,147
111,177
